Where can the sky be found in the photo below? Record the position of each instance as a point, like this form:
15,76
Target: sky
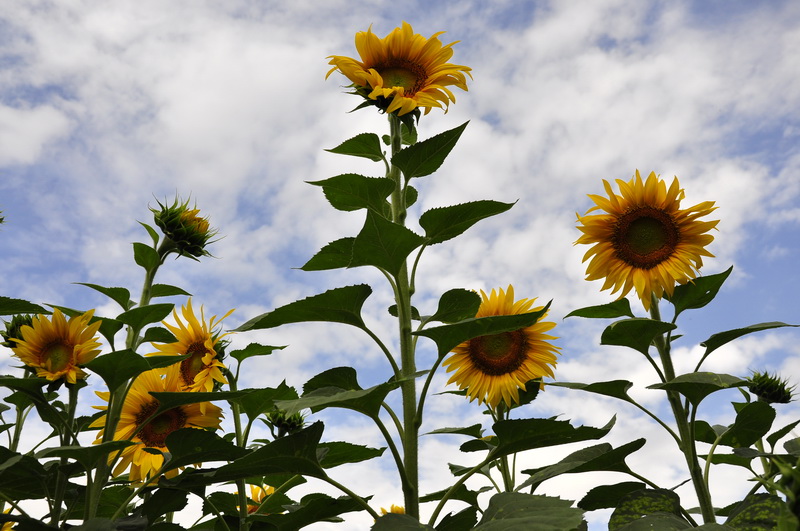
107,108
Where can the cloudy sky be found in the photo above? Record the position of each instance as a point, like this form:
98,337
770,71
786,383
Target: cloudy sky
107,107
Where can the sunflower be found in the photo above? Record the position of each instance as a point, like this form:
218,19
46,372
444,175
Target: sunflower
136,425
403,71
394,509
645,240
197,338
258,493
495,367
56,348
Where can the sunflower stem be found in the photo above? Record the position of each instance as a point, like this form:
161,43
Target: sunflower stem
685,427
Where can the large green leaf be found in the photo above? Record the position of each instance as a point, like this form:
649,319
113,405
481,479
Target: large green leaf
779,434
116,368
513,510
464,519
9,306
88,456
456,305
189,446
262,400
442,224
698,292
612,310
615,388
31,390
312,508
366,145
756,512
253,349
636,333
340,305
171,400
753,422
144,315
383,244
645,502
350,192
717,340
119,295
22,477
165,290
338,453
449,336
697,385
426,156
145,256
608,496
161,502
337,254
399,522
475,431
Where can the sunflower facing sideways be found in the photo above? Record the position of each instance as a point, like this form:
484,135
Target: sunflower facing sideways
402,71
200,340
57,347
643,239
495,367
137,424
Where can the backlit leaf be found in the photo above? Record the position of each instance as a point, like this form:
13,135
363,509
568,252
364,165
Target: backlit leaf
442,224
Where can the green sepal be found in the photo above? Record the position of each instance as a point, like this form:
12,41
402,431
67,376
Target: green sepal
366,145
637,333
119,295
697,385
339,305
697,292
337,254
445,223
350,191
612,310
9,306
383,244
426,156
514,510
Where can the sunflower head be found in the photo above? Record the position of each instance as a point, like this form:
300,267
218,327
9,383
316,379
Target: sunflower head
184,226
770,388
284,423
56,347
642,239
202,341
493,368
14,329
394,509
403,71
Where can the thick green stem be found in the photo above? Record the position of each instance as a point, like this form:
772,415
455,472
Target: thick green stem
685,429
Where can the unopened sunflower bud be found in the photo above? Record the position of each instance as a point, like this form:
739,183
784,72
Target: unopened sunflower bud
285,424
13,331
769,388
184,226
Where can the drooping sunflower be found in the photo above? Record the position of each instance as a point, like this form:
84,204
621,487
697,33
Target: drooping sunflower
136,425
495,367
644,240
403,71
57,347
200,340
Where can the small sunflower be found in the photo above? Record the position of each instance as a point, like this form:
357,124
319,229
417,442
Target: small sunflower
645,240
56,347
184,227
394,509
403,71
136,425
258,493
197,338
495,367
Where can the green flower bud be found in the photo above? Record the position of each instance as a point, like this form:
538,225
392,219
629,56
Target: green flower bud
285,424
13,329
769,388
184,227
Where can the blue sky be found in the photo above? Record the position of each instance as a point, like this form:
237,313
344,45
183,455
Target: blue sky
106,107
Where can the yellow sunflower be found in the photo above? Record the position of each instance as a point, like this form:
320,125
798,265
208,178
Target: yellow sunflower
644,240
394,509
136,425
57,347
198,338
495,367
404,68
258,493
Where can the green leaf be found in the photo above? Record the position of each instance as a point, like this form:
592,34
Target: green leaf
262,400
697,385
312,508
163,501
778,435
188,446
158,334
339,453
366,145
31,389
165,290
108,328
383,244
472,431
449,336
350,191
442,224
660,521
456,305
636,333
644,502
87,456
608,496
514,510
793,446
426,156
145,256
116,368
756,512
119,295
335,255
615,388
414,312
254,349
698,292
717,340
340,305
612,310
752,423
22,477
461,493
152,232
464,519
170,400
408,137
9,306
138,318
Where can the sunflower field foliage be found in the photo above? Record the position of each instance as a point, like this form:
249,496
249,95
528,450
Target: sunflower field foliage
155,436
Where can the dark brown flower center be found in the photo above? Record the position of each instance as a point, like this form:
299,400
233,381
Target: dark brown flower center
154,432
192,365
403,73
645,236
58,353
498,354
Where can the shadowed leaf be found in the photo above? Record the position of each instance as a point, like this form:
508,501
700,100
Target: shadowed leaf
349,192
366,145
514,510
426,156
698,292
697,385
612,310
636,333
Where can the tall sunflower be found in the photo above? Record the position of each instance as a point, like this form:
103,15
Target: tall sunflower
200,340
136,425
403,71
56,347
644,240
495,367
